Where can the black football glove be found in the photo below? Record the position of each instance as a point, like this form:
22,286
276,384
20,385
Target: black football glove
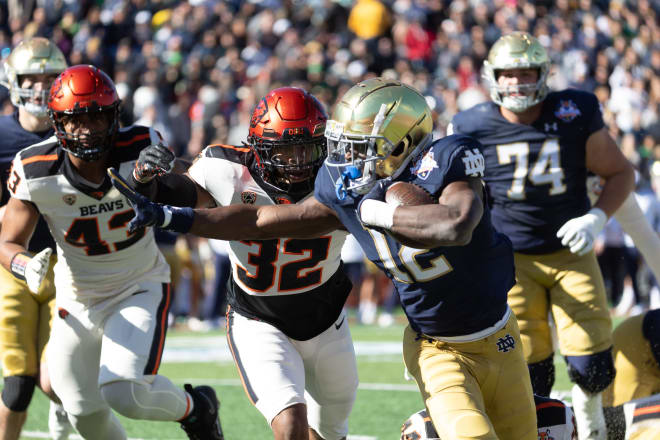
153,161
148,213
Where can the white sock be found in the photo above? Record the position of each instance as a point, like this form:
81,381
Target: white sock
588,409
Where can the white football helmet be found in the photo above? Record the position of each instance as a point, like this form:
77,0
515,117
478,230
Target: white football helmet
34,56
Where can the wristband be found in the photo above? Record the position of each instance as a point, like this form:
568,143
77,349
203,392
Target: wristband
18,264
377,213
178,219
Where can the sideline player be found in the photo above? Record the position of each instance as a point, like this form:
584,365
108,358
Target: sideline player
112,286
453,290
25,317
285,325
538,147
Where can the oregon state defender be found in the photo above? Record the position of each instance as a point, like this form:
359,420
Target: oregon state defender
25,317
538,147
112,286
285,327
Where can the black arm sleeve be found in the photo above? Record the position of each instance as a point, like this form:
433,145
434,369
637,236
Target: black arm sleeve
170,189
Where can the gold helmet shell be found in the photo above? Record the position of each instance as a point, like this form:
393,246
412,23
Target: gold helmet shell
518,50
376,127
31,57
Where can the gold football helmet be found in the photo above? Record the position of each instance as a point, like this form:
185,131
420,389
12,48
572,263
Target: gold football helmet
518,50
34,56
375,130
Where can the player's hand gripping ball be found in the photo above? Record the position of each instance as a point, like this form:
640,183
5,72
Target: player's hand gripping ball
408,194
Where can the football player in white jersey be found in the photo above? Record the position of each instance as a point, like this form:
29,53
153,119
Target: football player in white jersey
25,317
112,286
286,329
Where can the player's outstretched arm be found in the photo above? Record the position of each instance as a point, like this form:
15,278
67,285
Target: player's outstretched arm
450,222
236,222
309,219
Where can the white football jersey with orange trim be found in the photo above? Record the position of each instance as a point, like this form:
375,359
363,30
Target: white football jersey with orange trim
97,257
289,267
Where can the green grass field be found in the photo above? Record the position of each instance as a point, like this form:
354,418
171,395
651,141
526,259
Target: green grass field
385,399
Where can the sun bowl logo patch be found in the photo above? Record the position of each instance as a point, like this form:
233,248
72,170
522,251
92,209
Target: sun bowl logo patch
248,197
69,199
426,165
567,110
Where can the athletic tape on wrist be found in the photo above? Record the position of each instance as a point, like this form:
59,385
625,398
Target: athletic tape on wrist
18,264
377,213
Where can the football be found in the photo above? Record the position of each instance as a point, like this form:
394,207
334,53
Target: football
408,194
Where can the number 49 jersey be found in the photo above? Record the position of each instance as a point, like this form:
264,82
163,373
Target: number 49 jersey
294,284
457,293
97,257
536,173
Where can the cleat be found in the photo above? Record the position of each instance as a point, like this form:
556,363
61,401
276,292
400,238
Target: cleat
204,422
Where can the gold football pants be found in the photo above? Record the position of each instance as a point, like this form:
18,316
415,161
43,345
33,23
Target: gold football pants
474,390
571,289
25,320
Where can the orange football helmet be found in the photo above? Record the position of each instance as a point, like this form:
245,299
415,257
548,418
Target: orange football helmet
84,89
286,136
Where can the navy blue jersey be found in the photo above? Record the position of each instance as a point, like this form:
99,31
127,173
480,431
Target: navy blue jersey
446,291
15,138
536,174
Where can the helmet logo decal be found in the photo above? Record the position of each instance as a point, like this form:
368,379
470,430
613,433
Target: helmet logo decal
567,110
474,163
259,112
69,199
426,165
248,197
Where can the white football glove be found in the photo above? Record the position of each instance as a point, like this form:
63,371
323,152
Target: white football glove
36,268
579,234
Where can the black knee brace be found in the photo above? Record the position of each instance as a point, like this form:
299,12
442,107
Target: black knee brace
543,376
593,372
17,393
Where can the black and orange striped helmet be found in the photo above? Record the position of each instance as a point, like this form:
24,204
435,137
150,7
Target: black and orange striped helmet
286,136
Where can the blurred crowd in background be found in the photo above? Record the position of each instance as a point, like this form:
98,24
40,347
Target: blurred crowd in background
194,70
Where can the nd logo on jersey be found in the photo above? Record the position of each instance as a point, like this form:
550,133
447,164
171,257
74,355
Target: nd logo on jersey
506,343
474,163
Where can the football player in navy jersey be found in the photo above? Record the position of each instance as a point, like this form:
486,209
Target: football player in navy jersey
25,317
462,344
112,286
538,147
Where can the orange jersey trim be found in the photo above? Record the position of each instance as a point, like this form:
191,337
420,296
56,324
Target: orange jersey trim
548,405
42,158
231,147
647,410
135,138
